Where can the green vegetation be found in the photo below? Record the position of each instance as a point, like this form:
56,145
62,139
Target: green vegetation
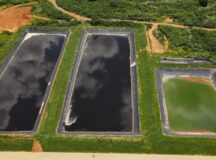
203,3
190,105
7,41
185,12
191,42
14,2
103,22
49,24
43,7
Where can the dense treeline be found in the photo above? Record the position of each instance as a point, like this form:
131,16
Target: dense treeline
188,12
199,43
103,22
52,24
14,2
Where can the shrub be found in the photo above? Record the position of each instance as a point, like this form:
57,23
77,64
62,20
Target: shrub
14,2
102,22
148,10
53,23
203,3
50,11
113,3
194,42
1,44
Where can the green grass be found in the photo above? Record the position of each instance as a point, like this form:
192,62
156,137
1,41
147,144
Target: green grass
7,41
8,143
185,12
190,105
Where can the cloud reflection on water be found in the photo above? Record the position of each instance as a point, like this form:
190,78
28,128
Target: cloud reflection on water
27,74
101,98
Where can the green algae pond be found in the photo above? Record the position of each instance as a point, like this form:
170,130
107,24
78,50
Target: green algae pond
191,105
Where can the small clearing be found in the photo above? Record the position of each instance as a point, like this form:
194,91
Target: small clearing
15,17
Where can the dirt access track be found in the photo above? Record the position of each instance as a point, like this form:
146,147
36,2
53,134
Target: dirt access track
153,44
11,19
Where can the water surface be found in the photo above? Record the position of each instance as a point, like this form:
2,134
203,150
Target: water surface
191,105
23,83
101,99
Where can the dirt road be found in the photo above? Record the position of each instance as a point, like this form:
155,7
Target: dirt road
93,156
153,44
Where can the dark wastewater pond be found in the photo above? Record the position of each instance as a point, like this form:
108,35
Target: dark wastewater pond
101,99
24,81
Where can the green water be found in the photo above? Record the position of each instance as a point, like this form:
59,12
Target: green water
191,105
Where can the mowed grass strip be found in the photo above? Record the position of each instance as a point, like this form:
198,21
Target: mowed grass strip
190,105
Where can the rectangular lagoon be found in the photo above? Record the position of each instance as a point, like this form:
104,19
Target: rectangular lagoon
25,79
187,101
102,93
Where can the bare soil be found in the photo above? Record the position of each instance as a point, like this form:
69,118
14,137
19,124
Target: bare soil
153,44
36,147
15,17
199,80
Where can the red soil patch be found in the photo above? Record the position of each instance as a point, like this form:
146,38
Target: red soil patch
199,80
36,147
11,19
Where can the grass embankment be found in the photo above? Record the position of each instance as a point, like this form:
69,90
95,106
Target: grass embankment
7,41
190,105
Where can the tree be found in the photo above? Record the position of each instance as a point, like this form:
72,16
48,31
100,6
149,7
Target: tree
203,3
113,3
